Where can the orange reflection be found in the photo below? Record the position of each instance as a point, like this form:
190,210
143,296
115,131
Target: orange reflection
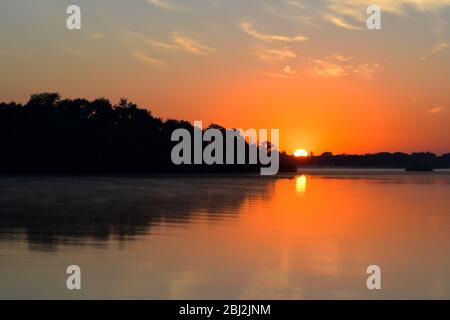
300,184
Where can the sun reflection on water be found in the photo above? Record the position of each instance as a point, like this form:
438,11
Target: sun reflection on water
300,184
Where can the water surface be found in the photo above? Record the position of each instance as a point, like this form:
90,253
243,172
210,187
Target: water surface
226,237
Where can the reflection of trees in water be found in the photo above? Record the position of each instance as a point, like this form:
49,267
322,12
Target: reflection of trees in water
52,211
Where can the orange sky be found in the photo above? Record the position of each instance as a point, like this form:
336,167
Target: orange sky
310,68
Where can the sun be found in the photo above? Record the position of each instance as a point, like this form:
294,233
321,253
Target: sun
300,153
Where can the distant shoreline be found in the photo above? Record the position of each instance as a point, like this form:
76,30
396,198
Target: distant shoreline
397,171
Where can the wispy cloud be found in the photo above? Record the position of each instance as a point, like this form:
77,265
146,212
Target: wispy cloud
162,45
351,14
275,54
365,70
248,28
328,69
340,22
287,73
435,110
176,42
146,59
295,4
356,8
191,45
290,12
166,5
442,45
338,66
342,58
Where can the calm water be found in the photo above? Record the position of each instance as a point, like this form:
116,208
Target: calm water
300,237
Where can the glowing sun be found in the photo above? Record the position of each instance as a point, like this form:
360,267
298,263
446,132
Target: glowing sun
300,153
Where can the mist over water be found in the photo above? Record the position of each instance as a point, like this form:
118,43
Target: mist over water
228,237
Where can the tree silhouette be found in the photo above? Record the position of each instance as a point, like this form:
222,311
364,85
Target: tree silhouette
53,135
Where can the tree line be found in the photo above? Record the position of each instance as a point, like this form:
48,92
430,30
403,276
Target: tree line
417,161
49,134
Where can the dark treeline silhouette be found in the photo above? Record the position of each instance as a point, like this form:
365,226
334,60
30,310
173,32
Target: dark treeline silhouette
416,161
53,135
49,134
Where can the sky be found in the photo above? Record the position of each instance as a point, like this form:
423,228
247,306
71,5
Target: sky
309,68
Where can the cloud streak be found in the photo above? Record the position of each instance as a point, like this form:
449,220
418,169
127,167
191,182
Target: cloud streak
275,54
177,42
287,73
356,8
248,28
191,45
146,59
295,4
436,110
166,5
340,22
440,47
338,66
